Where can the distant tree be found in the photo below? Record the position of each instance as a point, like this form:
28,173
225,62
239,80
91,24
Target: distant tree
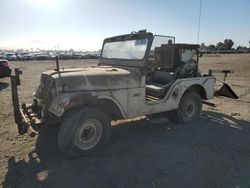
228,44
241,47
220,46
211,47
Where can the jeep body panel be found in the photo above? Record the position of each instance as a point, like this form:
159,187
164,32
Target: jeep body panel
95,78
137,104
131,101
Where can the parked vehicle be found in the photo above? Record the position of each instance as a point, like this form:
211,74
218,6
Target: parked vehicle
41,56
64,55
90,56
52,56
10,56
24,56
138,74
76,55
5,69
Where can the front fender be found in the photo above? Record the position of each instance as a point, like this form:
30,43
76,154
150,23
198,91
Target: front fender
65,101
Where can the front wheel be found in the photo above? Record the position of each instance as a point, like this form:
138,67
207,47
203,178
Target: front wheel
83,132
189,107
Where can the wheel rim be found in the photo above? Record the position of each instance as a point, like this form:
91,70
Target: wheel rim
88,134
190,109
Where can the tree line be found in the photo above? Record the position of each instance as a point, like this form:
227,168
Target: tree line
225,46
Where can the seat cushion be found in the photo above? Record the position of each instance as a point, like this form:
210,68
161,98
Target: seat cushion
163,77
160,84
157,90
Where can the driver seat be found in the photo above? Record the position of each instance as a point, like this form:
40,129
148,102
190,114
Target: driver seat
160,84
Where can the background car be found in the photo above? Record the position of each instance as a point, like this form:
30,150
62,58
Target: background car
10,56
5,70
52,56
90,56
76,55
64,55
40,56
24,56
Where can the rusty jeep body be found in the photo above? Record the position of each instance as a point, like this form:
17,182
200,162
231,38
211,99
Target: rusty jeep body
138,74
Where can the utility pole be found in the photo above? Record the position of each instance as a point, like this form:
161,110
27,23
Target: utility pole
199,22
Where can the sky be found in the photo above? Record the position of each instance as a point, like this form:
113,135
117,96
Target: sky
84,24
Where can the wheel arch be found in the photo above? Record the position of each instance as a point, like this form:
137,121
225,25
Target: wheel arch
110,106
199,88
106,103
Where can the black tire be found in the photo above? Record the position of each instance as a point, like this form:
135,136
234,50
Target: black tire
83,132
189,108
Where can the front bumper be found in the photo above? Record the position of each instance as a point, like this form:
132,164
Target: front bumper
29,120
24,117
27,116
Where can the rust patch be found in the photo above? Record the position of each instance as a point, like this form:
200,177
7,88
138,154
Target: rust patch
81,100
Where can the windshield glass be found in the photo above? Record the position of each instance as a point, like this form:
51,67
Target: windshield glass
162,52
129,49
160,41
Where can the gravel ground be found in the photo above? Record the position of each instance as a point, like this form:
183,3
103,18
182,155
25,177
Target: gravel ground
214,151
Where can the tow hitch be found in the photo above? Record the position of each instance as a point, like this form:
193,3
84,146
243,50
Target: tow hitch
24,117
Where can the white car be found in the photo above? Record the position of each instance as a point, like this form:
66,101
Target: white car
10,56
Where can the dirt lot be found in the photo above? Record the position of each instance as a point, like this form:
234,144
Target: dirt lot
214,151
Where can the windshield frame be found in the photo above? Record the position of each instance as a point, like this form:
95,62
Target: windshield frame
130,62
127,62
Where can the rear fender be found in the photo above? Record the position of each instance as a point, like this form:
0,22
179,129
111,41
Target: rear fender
204,86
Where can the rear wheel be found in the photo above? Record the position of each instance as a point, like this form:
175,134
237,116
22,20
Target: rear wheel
189,107
83,132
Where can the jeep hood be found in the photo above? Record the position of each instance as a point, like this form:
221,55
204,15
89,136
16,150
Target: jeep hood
95,78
